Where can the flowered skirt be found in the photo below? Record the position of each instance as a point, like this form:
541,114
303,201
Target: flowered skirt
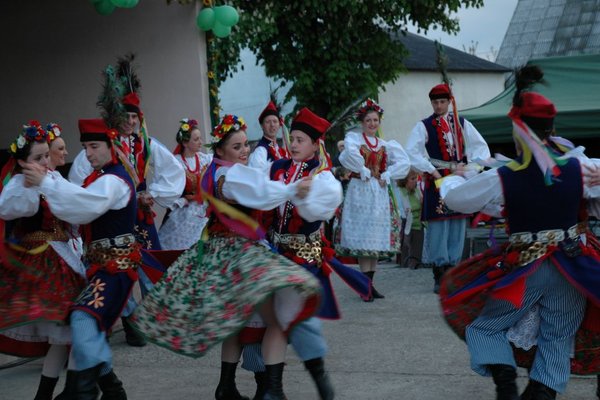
459,315
36,290
369,225
213,290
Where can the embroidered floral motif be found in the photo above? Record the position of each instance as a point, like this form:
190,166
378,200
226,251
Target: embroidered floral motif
97,301
98,286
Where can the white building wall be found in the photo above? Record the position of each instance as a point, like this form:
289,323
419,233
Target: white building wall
54,51
406,101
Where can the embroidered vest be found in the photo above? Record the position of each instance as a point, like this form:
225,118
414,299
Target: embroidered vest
433,206
288,220
532,206
214,225
272,154
116,222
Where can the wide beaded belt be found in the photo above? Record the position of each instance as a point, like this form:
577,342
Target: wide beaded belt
307,247
533,245
119,249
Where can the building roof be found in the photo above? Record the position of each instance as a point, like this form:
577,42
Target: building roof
548,28
423,57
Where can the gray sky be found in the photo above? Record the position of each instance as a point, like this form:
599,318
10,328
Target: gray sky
485,26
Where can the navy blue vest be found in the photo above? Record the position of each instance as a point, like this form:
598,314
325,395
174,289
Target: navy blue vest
116,222
266,143
532,206
433,207
290,221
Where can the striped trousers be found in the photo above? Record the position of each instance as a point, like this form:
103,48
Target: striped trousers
89,346
561,311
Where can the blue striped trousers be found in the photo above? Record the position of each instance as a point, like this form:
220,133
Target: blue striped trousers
89,346
561,311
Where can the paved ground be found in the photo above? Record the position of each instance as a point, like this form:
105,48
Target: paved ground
396,348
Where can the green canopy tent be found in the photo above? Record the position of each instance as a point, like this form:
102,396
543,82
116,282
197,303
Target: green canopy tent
573,84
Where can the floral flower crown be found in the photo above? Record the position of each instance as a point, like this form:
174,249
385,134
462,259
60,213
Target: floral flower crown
368,106
32,132
186,126
229,123
54,131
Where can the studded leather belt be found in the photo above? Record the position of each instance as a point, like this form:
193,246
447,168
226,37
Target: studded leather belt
533,245
307,247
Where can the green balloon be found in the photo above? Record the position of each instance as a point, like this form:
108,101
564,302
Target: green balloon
206,19
125,3
227,15
221,30
104,7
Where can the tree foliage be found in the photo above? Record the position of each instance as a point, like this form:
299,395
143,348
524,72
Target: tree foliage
333,52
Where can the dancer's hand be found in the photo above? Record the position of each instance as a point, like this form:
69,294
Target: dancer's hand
34,173
303,188
146,199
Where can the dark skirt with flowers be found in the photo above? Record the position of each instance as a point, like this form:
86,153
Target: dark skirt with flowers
213,290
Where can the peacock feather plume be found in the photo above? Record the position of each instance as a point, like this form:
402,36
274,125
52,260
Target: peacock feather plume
111,108
127,75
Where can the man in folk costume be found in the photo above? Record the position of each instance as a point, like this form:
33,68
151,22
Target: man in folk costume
545,267
143,154
295,232
106,207
438,146
267,150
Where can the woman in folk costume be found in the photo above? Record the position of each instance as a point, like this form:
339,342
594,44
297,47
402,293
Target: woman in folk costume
296,233
41,272
546,262
211,292
370,225
58,148
186,218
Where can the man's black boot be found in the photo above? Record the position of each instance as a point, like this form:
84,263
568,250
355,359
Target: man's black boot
132,337
316,368
505,378
111,387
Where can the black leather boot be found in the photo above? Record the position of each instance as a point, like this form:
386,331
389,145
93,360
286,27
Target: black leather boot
538,391
86,384
274,382
371,297
132,337
598,386
376,294
45,388
226,389
70,389
261,385
111,387
438,271
527,393
505,378
316,368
